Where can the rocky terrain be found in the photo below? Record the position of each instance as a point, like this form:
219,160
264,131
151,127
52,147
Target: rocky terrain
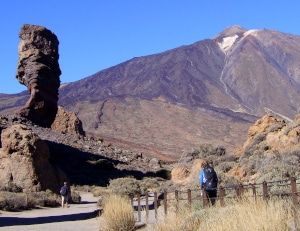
175,101
35,158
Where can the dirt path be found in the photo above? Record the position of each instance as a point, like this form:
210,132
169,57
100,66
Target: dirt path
77,217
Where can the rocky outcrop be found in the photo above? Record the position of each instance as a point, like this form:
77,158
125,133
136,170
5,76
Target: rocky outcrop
67,122
272,133
271,151
25,162
186,175
39,71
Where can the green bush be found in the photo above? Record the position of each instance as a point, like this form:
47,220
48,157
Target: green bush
149,184
203,151
125,186
128,185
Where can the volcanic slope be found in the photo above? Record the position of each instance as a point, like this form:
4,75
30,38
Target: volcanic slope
207,92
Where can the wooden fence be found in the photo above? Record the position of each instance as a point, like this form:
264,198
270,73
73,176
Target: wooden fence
197,197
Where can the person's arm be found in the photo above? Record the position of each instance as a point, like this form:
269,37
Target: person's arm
201,178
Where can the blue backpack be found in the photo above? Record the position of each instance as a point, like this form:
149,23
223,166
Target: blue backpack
64,191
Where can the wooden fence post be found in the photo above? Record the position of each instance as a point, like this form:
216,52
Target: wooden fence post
189,198
239,191
147,206
155,204
221,196
295,202
131,198
165,202
294,191
253,191
139,206
26,200
265,190
177,200
204,198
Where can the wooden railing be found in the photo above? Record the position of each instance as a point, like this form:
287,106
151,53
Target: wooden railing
151,201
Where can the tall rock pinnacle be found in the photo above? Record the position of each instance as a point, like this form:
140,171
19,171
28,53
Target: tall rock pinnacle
38,69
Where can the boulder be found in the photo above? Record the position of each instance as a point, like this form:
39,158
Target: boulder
25,162
260,129
67,122
179,174
184,175
39,71
154,163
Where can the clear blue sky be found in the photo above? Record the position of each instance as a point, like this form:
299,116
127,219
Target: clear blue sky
97,34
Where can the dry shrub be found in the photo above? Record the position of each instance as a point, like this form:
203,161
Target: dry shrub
118,214
21,201
125,186
75,196
100,191
242,215
182,220
14,201
149,184
129,185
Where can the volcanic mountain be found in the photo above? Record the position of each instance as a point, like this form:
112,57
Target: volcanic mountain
172,102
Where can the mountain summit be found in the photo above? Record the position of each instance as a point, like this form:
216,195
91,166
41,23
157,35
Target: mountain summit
206,92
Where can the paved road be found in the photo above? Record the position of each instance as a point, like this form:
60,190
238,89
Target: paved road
77,217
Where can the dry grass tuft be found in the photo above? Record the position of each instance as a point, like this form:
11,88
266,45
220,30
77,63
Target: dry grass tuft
243,215
118,214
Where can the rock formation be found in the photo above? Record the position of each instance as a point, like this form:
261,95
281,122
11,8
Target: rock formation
275,134
25,162
67,122
271,151
183,175
39,71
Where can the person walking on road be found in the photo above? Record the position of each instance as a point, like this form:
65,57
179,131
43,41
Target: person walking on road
209,181
65,193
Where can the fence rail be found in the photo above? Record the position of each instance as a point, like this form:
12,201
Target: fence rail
151,201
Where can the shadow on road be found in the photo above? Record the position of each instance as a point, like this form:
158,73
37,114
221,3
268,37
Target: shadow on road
12,221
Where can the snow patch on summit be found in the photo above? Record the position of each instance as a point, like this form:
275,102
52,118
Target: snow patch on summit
227,42
252,32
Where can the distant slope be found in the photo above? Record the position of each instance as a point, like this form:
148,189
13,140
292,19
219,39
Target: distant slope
206,92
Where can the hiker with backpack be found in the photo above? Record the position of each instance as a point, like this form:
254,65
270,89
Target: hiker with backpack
65,192
209,181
